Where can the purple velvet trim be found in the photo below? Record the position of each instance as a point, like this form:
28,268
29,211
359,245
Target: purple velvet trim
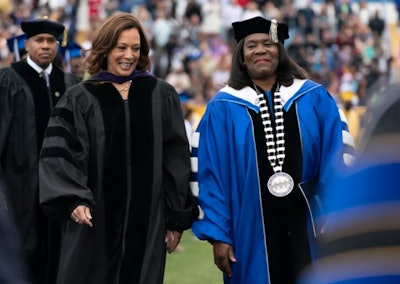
107,76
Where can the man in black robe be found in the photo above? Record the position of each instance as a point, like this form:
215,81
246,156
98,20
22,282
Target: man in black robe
29,90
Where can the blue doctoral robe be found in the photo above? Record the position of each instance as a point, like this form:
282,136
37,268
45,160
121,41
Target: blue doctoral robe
225,169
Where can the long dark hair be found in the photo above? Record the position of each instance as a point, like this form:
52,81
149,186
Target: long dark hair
106,39
286,71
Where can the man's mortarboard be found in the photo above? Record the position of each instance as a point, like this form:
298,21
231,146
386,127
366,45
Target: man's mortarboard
42,26
277,31
16,45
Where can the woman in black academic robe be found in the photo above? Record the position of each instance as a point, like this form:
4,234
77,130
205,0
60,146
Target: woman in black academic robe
115,166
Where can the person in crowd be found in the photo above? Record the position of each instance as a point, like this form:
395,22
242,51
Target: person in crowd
163,41
262,154
72,58
178,77
187,111
115,165
343,12
362,224
377,24
30,89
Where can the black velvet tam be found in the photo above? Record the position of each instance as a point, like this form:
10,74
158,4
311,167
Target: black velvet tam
258,25
42,26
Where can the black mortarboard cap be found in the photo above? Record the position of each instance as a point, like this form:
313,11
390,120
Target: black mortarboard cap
42,26
259,25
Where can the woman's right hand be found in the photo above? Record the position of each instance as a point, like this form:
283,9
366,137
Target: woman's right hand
82,215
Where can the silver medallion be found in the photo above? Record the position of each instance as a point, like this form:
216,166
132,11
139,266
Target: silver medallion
280,184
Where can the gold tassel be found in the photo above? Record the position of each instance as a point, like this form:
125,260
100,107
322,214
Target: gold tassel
64,39
273,31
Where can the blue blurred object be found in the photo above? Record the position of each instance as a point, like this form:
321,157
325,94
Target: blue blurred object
184,97
361,240
16,45
71,50
193,53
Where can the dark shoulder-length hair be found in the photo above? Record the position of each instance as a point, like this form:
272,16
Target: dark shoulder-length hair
106,39
286,71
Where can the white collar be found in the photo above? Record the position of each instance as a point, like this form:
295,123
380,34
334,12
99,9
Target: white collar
250,95
290,91
247,93
37,67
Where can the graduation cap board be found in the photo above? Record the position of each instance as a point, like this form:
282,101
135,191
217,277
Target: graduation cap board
16,45
71,50
277,31
42,26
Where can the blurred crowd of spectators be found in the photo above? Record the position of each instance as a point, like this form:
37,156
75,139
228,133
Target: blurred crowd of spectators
343,43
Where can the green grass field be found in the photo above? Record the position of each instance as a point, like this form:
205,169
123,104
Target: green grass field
193,265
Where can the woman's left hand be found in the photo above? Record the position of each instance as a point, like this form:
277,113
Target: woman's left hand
172,239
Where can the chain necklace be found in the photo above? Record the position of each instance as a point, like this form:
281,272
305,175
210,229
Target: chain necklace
126,87
275,149
280,184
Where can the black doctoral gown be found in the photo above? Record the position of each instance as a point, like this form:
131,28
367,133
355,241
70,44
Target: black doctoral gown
25,107
129,162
